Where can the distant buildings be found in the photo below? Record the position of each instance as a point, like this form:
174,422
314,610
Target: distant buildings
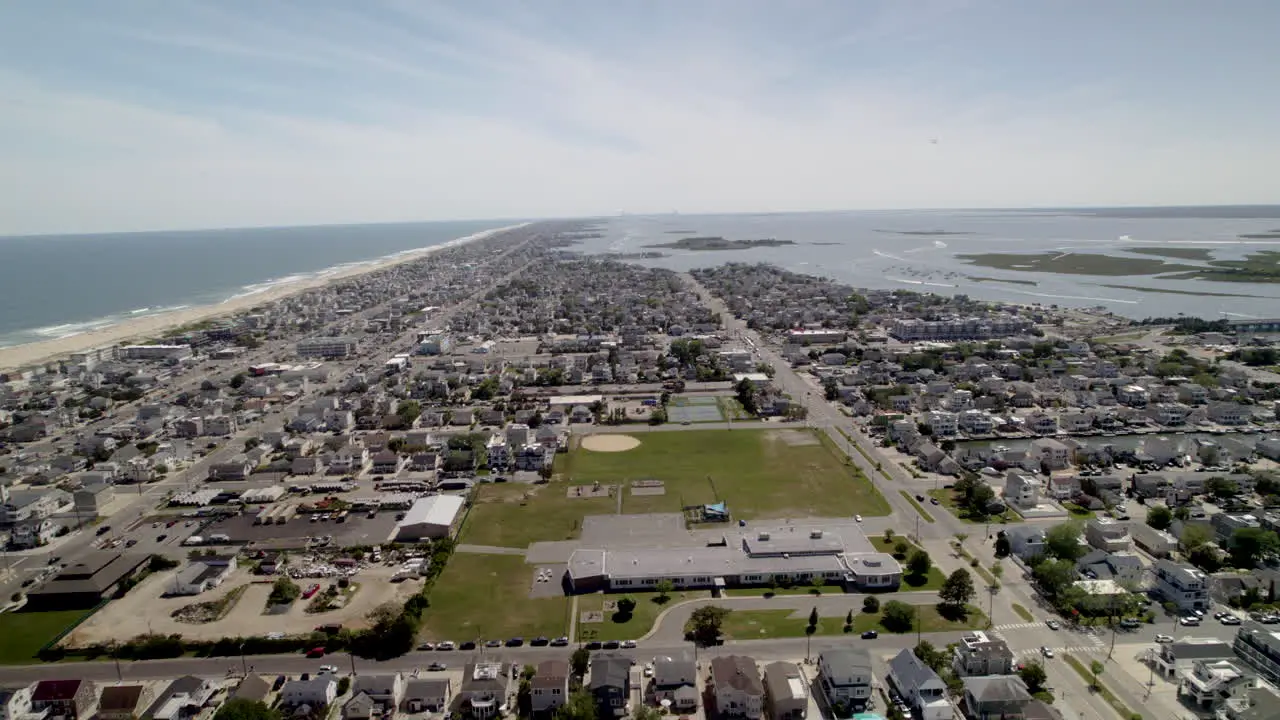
327,347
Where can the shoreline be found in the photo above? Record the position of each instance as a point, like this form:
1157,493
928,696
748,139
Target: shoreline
36,353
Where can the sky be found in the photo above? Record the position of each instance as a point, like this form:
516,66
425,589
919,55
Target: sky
174,114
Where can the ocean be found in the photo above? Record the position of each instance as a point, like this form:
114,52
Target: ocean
918,250
55,286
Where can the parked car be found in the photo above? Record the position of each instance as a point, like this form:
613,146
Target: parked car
515,642
560,642
1164,638
1230,620
437,667
315,652
446,645
539,641
628,644
1190,621
870,635
493,644
612,645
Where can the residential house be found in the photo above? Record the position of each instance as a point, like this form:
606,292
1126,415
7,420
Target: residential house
182,698
1108,534
432,694
610,684
316,692
1259,646
1157,543
1179,656
253,688
385,690
739,691
1042,423
1063,487
980,654
1229,413
786,692
920,686
676,681
1255,703
1026,541
1124,568
15,704
1048,453
1209,683
1182,584
995,697
549,688
484,689
845,677
1022,489
942,424
69,699
123,702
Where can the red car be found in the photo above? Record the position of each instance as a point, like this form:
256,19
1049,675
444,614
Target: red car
315,588
316,652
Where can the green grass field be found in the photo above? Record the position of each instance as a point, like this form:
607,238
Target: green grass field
632,627
949,501
759,473
24,633
776,473
759,624
487,596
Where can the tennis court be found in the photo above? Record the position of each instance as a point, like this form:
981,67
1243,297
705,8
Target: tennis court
701,409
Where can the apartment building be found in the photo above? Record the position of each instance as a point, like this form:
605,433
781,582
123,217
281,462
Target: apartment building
328,347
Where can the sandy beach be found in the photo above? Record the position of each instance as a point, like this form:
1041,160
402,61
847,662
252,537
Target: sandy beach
153,325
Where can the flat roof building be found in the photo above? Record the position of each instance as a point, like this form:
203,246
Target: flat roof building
86,583
327,347
430,517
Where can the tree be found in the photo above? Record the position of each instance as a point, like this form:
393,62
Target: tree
871,604
664,588
930,655
524,697
1251,544
900,548
1160,517
919,563
1034,676
704,624
958,590
580,705
1096,669
1194,535
1221,487
646,712
283,592
237,380
244,709
813,617
898,616
888,535
580,661
848,620
1003,547
1054,575
626,606
1063,541
816,583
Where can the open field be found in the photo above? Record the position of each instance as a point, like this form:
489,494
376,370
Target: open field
760,474
516,515
145,609
788,473
948,499
24,633
487,597
759,624
632,627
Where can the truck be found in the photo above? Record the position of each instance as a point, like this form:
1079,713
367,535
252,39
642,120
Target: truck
286,514
219,538
193,540
263,517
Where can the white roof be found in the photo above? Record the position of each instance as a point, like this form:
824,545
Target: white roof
434,510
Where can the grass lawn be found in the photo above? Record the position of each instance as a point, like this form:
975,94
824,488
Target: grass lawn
1077,511
948,499
757,624
775,473
487,597
931,581
631,627
731,409
791,591
1023,613
515,514
25,633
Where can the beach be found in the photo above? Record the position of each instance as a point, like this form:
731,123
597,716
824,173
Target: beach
152,326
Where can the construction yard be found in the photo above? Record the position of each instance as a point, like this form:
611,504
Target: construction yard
146,609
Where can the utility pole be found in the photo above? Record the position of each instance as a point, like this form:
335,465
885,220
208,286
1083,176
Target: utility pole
244,664
352,657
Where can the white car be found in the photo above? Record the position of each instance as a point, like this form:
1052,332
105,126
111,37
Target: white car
1164,638
628,644
1053,624
1190,621
332,669
857,518
1046,651
648,669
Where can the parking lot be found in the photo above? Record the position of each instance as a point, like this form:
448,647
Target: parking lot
357,529
146,610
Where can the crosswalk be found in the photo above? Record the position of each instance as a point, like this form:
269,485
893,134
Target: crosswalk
1086,640
1018,626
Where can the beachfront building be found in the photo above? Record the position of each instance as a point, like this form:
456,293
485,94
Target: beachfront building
165,353
328,347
